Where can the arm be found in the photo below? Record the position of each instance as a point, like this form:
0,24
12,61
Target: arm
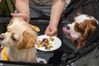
56,12
22,9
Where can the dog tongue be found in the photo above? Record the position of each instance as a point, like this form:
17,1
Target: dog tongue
65,30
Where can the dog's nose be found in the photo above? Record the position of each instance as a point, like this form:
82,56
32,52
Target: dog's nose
1,37
68,27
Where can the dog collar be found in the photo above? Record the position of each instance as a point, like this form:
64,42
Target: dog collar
4,55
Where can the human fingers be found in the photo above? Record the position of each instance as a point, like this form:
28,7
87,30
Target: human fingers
47,31
50,32
53,33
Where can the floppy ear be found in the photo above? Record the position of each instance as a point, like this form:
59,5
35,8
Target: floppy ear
79,27
27,41
90,26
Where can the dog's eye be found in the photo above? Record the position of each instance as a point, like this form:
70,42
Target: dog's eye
13,38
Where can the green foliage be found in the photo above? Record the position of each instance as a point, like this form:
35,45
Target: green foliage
6,7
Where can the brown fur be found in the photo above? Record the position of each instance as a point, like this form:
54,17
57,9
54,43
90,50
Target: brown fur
27,41
20,39
86,29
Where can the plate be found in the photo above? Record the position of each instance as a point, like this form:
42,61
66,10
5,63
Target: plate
53,43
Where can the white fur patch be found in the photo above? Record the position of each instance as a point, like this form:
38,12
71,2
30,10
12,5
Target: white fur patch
81,18
74,34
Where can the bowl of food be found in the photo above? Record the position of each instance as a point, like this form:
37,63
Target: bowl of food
47,43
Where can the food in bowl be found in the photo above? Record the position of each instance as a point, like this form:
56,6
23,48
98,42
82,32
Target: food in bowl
46,43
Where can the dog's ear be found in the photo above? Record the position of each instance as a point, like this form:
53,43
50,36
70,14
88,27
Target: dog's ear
93,22
27,41
90,27
79,27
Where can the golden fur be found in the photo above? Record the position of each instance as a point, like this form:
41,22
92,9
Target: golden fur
20,39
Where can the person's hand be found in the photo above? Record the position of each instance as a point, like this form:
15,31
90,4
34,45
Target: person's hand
0,0
51,30
24,16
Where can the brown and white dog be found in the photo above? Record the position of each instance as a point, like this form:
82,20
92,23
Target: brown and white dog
19,39
80,30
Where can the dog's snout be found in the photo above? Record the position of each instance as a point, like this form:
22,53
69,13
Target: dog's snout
1,37
68,27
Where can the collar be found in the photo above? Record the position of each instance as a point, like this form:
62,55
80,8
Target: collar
4,55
